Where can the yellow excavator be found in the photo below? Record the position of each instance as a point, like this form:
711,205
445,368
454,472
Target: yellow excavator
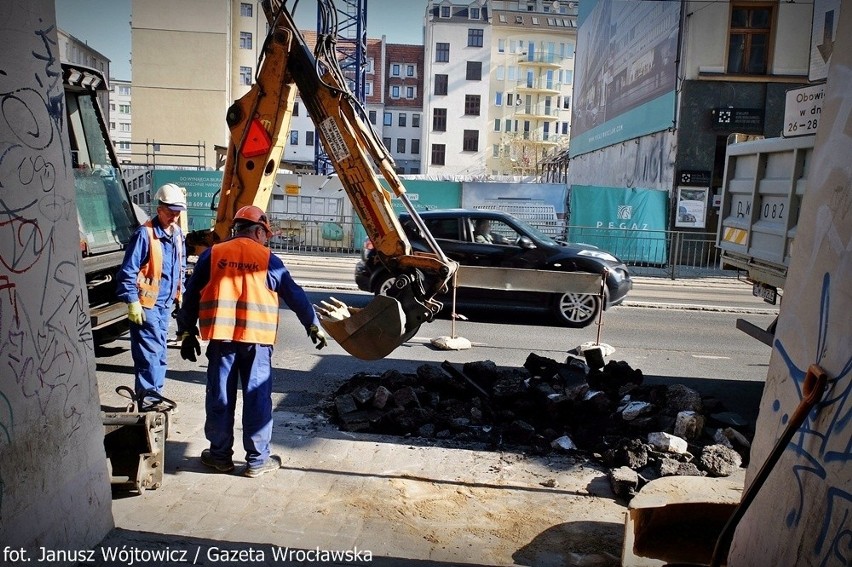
259,123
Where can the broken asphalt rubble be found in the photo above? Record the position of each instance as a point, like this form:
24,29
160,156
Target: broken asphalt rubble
640,432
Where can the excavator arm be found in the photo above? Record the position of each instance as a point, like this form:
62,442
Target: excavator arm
259,123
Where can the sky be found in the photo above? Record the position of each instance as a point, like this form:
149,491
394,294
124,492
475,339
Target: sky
105,24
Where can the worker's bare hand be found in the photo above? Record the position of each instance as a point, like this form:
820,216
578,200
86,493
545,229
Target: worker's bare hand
336,310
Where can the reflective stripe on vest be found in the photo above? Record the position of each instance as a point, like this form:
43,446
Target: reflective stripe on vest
151,272
236,304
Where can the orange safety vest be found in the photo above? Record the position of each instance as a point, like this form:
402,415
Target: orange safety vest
151,272
237,304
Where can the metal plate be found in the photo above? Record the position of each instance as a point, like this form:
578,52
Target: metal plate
768,293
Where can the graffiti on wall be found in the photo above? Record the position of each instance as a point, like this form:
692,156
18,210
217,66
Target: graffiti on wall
824,441
642,163
45,334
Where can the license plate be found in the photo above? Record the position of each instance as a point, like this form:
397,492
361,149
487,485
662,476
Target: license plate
766,292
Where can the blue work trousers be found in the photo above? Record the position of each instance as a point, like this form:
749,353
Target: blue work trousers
251,365
148,348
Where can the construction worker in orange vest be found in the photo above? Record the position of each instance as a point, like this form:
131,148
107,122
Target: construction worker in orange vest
150,281
233,296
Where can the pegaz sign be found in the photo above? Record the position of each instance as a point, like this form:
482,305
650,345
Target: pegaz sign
630,223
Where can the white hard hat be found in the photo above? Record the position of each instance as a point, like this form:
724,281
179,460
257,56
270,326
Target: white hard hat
172,196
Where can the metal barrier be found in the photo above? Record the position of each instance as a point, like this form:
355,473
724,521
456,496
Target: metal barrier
666,253
661,253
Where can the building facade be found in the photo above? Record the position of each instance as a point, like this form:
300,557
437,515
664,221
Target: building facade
661,86
73,50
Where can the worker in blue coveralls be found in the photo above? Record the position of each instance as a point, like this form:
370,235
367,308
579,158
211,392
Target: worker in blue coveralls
150,281
233,295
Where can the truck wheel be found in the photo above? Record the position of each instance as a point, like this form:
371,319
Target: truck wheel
576,310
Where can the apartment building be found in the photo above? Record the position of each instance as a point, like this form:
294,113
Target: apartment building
191,60
501,74
120,118
403,105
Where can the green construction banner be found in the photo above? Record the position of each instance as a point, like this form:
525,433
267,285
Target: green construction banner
201,188
630,223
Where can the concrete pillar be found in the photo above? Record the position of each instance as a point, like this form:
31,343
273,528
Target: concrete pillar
803,513
54,489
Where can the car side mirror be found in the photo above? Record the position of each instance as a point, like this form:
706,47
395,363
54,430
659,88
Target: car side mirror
525,242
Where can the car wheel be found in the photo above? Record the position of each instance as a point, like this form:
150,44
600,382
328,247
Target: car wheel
382,284
577,309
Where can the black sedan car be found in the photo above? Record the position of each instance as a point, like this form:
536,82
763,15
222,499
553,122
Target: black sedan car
497,239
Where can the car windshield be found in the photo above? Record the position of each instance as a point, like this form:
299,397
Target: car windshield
529,229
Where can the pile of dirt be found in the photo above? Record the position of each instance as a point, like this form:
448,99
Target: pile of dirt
639,431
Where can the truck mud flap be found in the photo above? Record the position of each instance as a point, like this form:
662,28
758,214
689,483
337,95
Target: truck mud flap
372,332
135,449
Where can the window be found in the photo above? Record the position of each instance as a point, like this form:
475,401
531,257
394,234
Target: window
509,98
471,105
496,124
124,90
438,154
495,150
564,127
386,142
474,37
309,138
498,98
473,13
371,66
394,91
294,137
474,71
441,82
112,125
501,73
439,119
415,146
748,43
112,107
470,141
245,75
410,71
501,46
442,52
124,108
402,118
395,69
445,11
296,108
124,126
246,10
368,88
387,120
508,127
415,121
400,145
409,92
373,117
566,102
245,40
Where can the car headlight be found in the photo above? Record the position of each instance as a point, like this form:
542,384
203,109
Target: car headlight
601,255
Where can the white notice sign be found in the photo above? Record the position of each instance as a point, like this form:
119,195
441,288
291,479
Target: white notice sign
802,110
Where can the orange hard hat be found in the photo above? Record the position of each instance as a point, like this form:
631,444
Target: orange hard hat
253,214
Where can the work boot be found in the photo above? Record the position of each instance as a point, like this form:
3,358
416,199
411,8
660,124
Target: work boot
272,463
220,465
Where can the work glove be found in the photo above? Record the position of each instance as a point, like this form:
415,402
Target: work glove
317,336
189,345
135,313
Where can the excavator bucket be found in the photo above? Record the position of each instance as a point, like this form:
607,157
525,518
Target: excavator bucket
368,333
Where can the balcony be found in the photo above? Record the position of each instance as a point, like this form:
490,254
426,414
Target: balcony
536,112
544,60
541,86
